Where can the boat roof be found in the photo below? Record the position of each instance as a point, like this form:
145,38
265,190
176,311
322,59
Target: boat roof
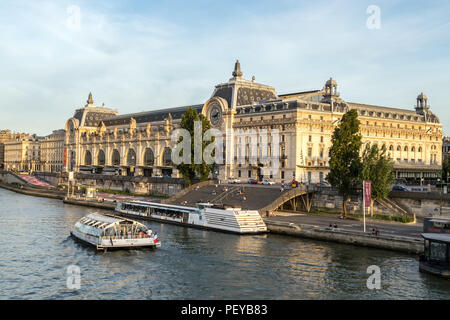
108,220
149,203
439,220
443,237
103,218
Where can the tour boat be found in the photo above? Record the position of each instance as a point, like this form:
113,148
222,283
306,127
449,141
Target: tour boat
205,216
105,231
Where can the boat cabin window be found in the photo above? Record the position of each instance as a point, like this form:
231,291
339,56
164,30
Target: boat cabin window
134,207
438,251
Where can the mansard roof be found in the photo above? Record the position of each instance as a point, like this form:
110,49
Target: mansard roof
392,113
151,116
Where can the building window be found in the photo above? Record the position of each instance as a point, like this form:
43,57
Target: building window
310,138
239,173
282,174
309,152
249,173
321,139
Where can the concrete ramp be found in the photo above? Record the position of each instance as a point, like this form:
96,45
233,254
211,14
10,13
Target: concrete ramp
248,197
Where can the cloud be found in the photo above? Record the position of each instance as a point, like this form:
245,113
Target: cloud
140,56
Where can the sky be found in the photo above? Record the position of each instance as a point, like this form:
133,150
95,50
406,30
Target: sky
146,55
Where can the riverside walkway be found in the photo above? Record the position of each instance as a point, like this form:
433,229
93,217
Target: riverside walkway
350,224
392,235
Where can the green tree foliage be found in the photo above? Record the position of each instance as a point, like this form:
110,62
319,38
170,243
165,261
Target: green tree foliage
446,169
378,168
190,170
345,161
204,169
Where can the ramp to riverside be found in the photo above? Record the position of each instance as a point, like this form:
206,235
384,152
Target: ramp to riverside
248,197
34,181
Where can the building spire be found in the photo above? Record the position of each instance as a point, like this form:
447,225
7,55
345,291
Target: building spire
90,100
237,70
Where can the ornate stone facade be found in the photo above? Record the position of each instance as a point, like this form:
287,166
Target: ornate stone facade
52,151
22,152
139,144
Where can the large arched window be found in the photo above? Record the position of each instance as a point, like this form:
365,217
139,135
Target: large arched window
413,149
87,158
399,148
420,149
391,148
115,158
131,158
406,148
167,157
149,157
101,158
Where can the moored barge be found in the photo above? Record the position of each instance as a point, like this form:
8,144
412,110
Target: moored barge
205,216
436,256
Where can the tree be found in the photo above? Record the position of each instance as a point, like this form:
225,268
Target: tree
203,168
190,170
446,169
378,168
345,161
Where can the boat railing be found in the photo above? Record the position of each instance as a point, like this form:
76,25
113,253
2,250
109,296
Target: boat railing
125,237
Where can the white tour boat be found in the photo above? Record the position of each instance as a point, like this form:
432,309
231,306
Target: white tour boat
205,215
111,232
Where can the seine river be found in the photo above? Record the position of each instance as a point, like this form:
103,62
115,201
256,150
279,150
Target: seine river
36,251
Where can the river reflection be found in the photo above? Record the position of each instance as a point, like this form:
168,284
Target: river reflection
191,264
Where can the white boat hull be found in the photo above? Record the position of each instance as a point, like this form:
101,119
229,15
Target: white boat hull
227,220
102,243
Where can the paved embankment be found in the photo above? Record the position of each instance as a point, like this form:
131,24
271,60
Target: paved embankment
392,236
34,192
92,204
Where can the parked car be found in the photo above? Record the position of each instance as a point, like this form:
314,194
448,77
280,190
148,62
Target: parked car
158,175
267,182
399,188
252,181
323,184
234,180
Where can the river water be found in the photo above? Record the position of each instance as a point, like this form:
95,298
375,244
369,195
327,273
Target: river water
36,251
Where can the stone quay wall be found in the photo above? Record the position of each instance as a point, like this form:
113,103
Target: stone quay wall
138,185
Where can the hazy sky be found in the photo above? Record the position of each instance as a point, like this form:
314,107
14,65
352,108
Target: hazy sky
146,55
